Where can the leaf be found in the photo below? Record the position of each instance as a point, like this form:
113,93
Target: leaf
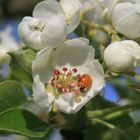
11,95
23,122
25,58
18,72
134,131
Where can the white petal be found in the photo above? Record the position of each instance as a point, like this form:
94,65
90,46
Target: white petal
71,9
74,52
134,45
30,36
135,51
46,9
64,103
41,97
55,32
118,57
42,65
111,5
67,104
74,22
126,18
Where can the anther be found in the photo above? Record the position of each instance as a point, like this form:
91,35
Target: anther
65,69
74,70
56,71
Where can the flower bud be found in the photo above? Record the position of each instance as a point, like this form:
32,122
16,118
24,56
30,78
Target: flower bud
126,18
122,56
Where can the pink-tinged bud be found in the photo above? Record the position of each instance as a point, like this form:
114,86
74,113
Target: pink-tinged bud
74,70
65,69
56,71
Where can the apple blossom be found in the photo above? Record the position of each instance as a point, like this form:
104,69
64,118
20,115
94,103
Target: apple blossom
126,18
46,28
66,77
122,56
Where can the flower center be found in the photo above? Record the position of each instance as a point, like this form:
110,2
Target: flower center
39,26
69,80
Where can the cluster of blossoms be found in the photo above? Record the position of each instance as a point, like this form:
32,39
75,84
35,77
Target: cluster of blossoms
64,70
66,74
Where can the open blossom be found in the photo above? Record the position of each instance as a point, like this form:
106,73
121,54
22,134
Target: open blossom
67,77
122,56
50,24
7,44
126,18
46,28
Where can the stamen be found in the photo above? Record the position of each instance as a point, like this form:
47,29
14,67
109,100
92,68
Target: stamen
65,69
74,70
67,81
56,71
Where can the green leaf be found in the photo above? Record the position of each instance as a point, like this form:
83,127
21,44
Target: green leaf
25,58
11,95
134,131
19,73
23,122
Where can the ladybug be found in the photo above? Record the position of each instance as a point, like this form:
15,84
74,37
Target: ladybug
85,82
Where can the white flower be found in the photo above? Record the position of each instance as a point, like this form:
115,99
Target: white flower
126,18
71,10
7,44
59,76
122,56
46,28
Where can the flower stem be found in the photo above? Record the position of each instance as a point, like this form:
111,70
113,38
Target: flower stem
114,112
112,127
